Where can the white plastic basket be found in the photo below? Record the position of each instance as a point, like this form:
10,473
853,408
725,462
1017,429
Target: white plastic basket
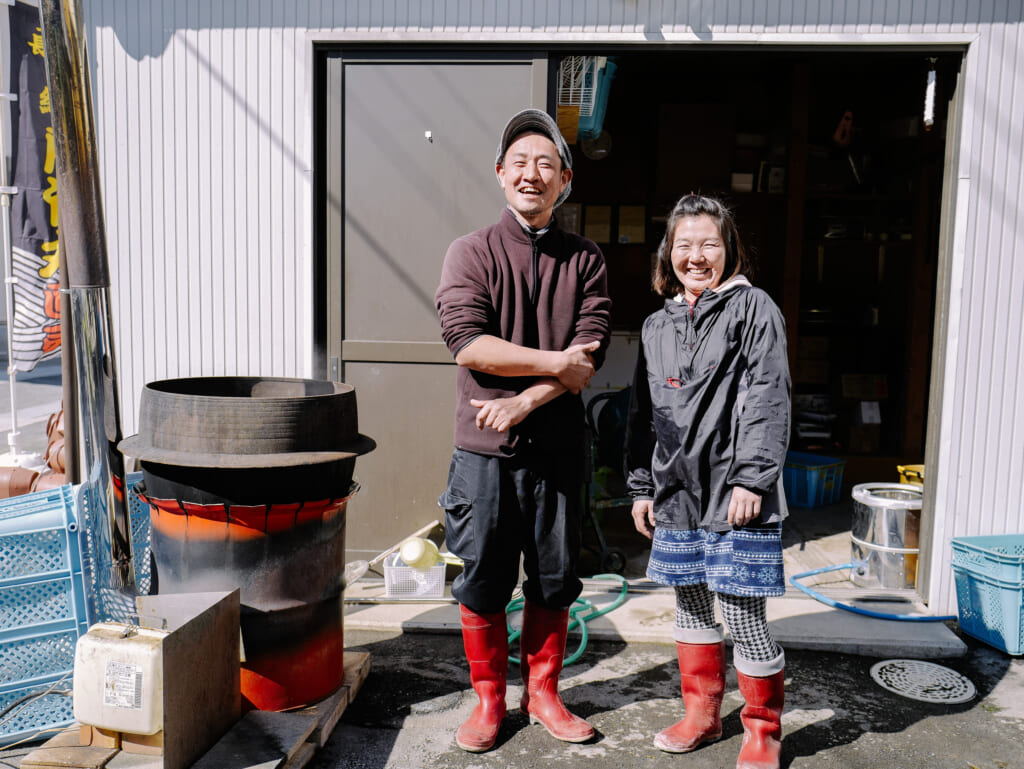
577,82
402,581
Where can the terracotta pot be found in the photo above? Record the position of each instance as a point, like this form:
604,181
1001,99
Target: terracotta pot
49,481
55,425
15,481
55,455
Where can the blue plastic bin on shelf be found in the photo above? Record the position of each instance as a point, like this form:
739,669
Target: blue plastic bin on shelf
812,480
998,556
990,609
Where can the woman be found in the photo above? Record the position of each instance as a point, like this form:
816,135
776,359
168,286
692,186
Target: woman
705,446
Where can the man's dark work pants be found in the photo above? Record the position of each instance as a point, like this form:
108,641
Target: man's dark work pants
499,507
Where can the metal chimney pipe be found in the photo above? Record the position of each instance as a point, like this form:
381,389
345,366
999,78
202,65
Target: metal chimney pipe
84,257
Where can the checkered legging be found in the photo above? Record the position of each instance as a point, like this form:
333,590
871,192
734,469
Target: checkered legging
744,616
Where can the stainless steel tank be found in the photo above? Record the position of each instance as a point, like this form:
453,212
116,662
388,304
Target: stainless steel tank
884,534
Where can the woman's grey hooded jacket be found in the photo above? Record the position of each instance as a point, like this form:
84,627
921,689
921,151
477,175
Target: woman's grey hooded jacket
710,408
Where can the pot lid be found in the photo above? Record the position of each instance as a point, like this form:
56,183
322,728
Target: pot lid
239,422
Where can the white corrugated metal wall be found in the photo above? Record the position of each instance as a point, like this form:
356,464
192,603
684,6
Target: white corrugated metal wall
979,452
204,116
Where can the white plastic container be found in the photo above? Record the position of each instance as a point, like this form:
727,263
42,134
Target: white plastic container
119,678
403,581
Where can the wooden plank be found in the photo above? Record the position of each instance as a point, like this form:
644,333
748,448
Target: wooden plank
200,706
125,760
357,667
329,711
99,738
143,744
63,750
302,756
262,738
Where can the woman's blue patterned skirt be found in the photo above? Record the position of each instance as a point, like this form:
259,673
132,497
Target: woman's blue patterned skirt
745,562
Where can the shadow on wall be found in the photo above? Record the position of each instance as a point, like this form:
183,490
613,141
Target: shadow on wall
145,29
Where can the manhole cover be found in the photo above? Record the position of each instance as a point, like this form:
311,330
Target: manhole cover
923,681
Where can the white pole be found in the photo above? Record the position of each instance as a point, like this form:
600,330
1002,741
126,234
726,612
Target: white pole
9,280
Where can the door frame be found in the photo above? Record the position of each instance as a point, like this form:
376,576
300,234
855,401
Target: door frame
330,348
952,221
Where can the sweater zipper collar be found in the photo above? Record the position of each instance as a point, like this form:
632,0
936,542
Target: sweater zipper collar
535,271
534,234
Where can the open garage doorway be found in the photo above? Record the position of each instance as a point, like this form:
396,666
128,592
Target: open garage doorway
825,155
835,172
836,182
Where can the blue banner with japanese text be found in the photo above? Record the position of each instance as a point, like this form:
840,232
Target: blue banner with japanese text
35,335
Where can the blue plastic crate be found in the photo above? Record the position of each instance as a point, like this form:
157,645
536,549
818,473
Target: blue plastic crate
138,515
49,712
812,480
105,602
44,599
990,610
590,124
998,556
42,606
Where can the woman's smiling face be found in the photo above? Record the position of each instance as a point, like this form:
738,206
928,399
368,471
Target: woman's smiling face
698,255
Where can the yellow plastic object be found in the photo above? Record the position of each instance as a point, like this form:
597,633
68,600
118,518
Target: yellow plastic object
911,474
421,554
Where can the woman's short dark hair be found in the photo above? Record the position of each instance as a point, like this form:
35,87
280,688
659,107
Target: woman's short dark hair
665,281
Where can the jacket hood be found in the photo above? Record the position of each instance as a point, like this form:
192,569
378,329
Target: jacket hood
735,281
707,299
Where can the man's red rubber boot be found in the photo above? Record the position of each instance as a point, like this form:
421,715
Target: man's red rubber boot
702,680
762,721
485,637
542,651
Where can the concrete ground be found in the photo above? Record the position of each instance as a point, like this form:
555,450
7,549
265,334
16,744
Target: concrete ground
836,715
627,683
37,395
416,695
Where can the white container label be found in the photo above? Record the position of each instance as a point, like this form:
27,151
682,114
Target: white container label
122,685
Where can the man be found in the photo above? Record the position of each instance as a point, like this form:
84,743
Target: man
524,309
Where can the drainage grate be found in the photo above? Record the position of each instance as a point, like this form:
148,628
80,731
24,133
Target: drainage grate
923,681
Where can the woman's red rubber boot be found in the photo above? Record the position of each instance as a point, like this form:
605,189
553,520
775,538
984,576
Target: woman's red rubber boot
702,680
762,721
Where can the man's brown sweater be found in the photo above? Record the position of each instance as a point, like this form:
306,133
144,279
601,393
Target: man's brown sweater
549,293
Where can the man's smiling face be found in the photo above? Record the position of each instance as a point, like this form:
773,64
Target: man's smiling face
532,176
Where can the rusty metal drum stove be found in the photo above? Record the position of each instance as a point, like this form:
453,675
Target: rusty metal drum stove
248,480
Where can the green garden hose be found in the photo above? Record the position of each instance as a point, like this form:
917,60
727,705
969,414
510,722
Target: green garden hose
580,613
